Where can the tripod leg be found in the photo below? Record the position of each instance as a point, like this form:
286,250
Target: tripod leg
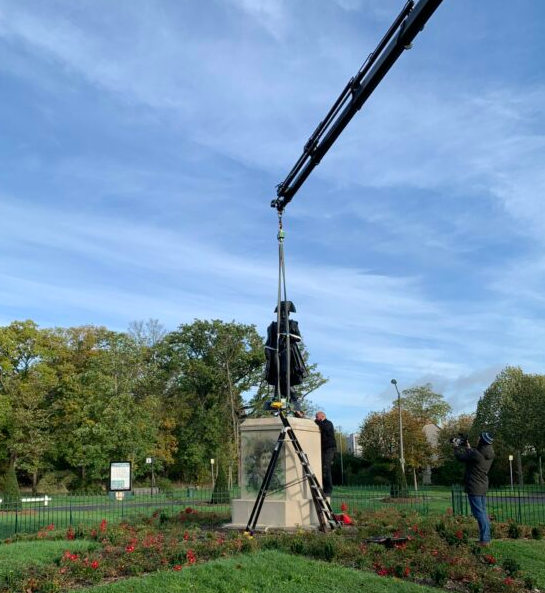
254,515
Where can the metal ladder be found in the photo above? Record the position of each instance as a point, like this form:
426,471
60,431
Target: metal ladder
324,511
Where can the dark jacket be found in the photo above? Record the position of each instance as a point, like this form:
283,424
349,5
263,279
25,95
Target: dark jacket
298,370
327,434
478,462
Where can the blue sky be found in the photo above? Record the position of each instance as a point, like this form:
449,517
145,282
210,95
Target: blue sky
141,142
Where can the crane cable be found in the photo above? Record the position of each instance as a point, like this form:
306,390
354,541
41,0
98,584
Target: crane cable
282,289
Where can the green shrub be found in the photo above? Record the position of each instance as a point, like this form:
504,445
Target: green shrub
537,532
9,487
59,482
297,546
440,575
164,485
221,495
530,583
514,531
511,565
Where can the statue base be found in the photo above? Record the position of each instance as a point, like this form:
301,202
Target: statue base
289,504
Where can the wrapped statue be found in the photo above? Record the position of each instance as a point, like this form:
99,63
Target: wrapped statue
278,377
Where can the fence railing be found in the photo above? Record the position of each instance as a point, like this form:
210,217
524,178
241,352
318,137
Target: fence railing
371,498
524,505
30,514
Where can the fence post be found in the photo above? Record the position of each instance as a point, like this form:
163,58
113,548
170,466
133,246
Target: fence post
70,519
519,507
16,515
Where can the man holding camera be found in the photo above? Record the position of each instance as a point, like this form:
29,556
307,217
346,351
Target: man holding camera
478,462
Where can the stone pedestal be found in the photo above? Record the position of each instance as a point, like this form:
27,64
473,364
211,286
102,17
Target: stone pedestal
288,507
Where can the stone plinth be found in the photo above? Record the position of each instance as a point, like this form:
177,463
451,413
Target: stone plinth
287,507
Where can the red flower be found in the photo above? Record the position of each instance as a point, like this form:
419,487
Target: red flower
93,533
188,510
129,548
95,564
459,534
407,571
186,536
103,525
70,533
50,527
508,581
434,553
220,540
489,558
344,507
177,567
190,556
382,572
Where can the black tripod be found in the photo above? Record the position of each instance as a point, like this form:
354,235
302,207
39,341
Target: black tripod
324,511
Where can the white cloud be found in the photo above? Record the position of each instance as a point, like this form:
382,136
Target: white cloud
268,13
445,169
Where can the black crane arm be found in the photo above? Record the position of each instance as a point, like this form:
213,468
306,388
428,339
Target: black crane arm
404,29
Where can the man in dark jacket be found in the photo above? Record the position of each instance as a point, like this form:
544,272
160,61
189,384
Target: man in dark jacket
328,445
478,462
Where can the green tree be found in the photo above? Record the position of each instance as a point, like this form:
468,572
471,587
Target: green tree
26,380
207,366
379,440
536,421
426,405
98,415
506,408
449,470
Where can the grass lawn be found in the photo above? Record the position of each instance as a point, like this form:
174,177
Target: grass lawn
22,554
529,553
263,572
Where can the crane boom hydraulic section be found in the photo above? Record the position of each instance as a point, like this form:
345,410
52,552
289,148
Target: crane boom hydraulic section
398,38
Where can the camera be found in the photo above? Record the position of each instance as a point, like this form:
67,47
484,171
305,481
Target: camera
460,440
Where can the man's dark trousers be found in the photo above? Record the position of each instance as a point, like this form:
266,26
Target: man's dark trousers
478,510
327,460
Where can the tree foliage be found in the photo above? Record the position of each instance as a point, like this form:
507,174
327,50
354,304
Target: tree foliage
513,409
74,399
426,405
379,439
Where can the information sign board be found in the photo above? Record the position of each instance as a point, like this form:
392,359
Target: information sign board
120,476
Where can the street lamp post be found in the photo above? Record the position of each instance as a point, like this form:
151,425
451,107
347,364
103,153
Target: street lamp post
401,455
212,461
511,470
149,461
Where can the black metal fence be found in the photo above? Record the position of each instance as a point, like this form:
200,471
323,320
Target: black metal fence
30,514
524,505
372,498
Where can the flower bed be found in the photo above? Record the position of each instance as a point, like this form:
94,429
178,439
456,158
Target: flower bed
441,553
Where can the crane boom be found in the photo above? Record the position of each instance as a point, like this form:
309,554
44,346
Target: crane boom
399,37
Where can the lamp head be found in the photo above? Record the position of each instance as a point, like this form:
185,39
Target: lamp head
393,382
